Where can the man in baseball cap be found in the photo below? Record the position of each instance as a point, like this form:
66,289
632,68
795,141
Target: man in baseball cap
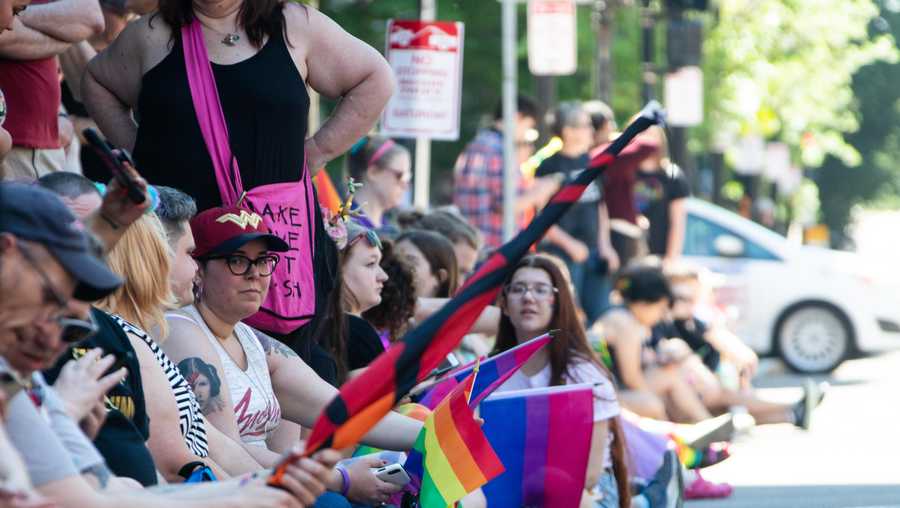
46,257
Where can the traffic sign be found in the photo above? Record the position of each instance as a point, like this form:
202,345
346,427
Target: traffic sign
427,61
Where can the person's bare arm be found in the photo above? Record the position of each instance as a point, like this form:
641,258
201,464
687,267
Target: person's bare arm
486,323
117,211
141,6
304,395
627,341
166,443
339,66
598,447
573,247
111,85
70,21
677,224
604,240
187,340
75,492
74,63
228,453
540,192
24,43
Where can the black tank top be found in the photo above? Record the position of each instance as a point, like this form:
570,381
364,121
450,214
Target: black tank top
266,108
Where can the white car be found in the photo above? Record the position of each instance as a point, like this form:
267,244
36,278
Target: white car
811,306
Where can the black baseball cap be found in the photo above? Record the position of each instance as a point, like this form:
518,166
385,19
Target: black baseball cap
35,214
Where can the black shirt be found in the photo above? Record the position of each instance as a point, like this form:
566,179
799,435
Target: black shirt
653,193
693,332
363,343
581,221
122,438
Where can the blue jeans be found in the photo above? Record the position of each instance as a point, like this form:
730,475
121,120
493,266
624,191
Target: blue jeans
592,286
332,500
609,489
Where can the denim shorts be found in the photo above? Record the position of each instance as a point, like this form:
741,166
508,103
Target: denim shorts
610,490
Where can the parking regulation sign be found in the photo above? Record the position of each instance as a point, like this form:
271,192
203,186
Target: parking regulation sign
427,61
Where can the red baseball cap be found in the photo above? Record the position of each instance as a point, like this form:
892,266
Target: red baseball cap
223,230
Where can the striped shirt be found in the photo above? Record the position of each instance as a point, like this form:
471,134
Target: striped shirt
189,417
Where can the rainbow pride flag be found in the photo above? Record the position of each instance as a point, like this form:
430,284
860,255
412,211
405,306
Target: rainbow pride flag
492,374
543,438
452,456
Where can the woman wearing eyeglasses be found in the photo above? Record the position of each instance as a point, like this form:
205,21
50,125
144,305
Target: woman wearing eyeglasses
263,381
384,169
536,299
178,433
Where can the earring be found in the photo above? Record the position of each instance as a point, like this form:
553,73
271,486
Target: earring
197,290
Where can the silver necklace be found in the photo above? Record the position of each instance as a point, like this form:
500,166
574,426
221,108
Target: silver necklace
230,39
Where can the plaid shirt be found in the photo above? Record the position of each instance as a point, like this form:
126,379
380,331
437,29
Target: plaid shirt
478,185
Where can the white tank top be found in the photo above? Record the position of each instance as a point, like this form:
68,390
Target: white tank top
255,407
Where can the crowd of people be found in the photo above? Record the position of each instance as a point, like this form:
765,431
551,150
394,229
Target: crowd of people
170,350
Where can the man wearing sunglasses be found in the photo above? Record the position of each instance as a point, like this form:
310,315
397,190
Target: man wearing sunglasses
45,263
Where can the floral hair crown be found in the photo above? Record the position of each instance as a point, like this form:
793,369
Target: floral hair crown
336,223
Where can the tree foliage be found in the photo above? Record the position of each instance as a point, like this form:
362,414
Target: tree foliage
782,69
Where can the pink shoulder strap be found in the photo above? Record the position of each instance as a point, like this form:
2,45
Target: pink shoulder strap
209,113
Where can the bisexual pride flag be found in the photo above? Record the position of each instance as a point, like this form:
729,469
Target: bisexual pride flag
491,375
543,438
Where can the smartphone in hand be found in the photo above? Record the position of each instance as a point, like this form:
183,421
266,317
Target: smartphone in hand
115,162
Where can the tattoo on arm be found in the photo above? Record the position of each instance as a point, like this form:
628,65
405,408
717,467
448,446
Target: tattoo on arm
273,347
205,383
101,473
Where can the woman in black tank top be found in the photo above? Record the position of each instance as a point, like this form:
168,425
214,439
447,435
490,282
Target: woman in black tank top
266,108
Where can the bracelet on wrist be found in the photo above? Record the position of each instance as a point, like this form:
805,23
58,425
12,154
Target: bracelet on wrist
113,224
345,481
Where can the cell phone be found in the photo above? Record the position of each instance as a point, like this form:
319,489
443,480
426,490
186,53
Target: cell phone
115,164
393,474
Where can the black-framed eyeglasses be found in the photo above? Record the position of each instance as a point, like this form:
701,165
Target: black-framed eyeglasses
240,264
540,290
77,330
51,295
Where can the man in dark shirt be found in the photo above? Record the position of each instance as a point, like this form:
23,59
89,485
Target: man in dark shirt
121,440
659,192
577,236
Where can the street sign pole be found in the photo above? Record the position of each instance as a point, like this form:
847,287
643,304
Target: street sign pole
510,164
422,180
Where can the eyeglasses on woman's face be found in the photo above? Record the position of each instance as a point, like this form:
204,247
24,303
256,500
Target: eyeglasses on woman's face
240,264
541,291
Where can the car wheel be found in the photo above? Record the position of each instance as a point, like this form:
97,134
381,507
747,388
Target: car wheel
813,338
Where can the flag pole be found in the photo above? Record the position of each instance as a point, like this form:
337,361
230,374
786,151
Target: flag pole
474,377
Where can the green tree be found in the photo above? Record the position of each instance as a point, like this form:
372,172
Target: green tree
877,140
782,69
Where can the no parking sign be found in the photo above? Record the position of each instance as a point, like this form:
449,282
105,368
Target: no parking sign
427,61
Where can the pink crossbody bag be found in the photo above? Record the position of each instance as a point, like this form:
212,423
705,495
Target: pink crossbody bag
286,208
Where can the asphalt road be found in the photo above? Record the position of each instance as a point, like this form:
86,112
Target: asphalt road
850,458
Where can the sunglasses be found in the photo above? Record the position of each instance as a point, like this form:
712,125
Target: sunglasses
371,236
77,330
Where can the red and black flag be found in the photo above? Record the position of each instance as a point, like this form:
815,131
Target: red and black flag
365,400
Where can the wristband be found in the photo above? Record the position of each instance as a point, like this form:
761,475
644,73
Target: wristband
345,481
